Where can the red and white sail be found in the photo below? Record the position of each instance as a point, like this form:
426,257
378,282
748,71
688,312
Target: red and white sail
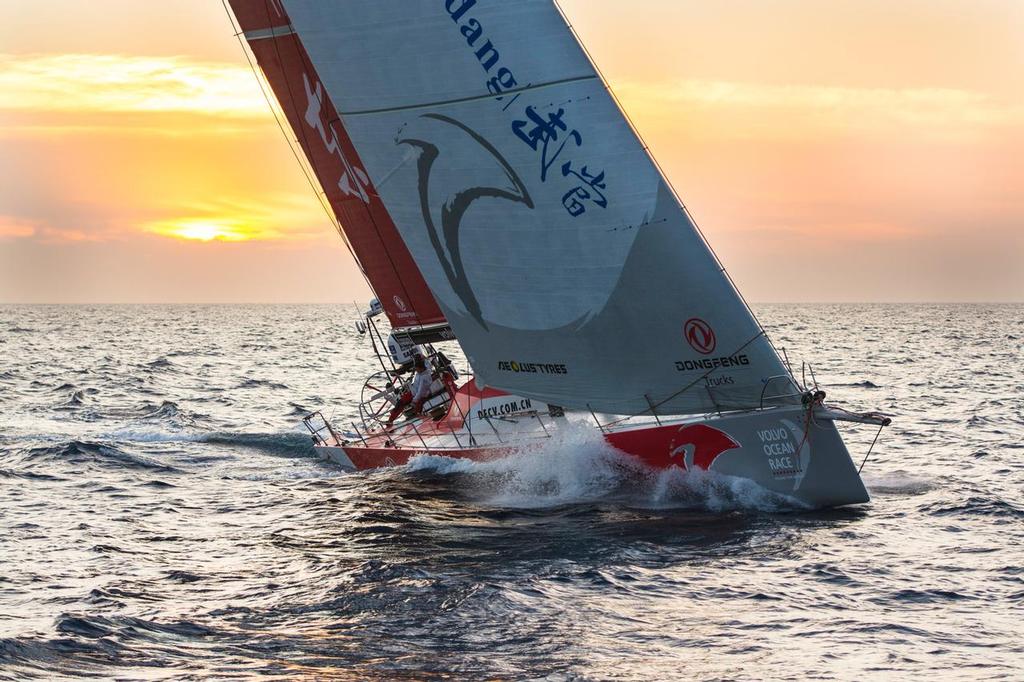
382,255
566,267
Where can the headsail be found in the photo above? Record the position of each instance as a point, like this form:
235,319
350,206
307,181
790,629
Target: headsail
565,265
380,251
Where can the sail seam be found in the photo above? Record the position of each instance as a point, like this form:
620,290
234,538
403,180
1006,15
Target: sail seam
460,100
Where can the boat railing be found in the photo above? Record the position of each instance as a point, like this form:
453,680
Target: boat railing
317,430
412,434
767,401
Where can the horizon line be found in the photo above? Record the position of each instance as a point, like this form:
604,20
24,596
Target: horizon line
339,303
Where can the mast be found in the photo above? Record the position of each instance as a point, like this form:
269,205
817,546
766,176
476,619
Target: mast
361,217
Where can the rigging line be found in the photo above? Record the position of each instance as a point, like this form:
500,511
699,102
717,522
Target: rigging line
274,113
301,130
709,372
270,104
366,205
664,176
686,388
808,418
877,434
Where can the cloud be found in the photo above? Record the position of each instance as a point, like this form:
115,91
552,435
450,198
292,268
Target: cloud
12,227
285,216
929,108
85,83
15,227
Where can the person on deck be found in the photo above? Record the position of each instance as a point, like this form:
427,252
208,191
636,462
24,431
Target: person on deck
446,372
417,394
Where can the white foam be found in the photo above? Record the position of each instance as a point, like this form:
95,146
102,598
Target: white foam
578,466
898,483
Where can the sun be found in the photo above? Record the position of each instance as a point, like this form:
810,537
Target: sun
203,230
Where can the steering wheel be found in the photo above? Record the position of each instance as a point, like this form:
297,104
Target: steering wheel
379,396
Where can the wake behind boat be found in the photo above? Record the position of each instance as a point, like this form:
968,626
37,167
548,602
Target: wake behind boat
494,195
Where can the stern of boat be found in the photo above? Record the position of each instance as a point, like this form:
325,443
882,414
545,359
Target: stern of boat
797,452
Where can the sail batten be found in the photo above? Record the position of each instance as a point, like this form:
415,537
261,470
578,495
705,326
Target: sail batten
441,103
563,261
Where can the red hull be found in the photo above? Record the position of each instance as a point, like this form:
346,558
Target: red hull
655,446
795,451
374,458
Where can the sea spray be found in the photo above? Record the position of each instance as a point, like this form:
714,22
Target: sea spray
577,466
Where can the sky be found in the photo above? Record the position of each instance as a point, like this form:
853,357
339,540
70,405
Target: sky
850,150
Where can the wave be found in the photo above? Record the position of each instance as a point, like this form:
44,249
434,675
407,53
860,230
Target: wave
31,658
579,466
28,475
86,453
298,410
261,383
127,628
165,409
859,384
976,506
76,397
289,443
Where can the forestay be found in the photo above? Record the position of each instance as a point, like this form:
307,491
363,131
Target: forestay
363,219
565,266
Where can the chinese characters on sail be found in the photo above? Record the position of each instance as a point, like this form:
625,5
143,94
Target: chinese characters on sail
549,134
353,180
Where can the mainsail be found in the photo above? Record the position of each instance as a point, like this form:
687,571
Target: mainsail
366,225
565,265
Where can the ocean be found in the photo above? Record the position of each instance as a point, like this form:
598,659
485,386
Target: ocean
163,516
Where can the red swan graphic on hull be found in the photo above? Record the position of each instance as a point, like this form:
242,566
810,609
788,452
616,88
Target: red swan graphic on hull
700,445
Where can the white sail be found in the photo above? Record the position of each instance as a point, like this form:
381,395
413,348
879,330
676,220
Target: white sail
565,266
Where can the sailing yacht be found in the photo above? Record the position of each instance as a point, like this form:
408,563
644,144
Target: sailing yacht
495,195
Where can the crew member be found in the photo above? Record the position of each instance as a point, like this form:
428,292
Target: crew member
446,371
418,392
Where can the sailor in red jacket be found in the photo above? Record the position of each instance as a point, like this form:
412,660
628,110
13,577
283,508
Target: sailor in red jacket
417,394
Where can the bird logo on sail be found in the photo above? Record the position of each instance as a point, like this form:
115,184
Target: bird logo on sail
446,241
699,335
700,445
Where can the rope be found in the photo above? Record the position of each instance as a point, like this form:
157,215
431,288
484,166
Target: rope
808,418
684,389
298,158
877,434
369,213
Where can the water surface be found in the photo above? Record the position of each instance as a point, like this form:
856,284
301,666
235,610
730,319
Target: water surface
162,515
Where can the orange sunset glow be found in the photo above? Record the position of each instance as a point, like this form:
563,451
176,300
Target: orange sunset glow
830,151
